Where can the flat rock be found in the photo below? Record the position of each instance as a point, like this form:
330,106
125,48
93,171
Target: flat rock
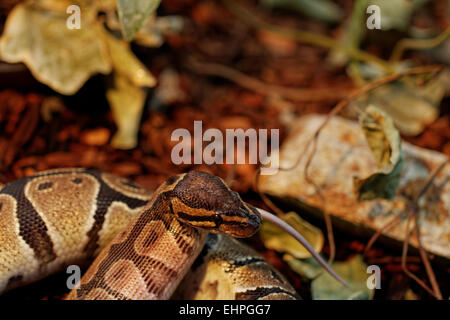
342,153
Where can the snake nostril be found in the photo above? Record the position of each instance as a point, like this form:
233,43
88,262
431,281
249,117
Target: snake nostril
77,180
45,185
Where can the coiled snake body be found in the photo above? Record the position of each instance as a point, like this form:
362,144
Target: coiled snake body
145,243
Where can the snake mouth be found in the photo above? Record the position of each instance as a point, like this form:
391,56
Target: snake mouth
242,223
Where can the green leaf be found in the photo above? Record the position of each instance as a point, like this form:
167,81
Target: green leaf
277,239
385,143
325,287
411,106
133,13
380,185
308,268
323,10
57,56
353,32
382,137
396,14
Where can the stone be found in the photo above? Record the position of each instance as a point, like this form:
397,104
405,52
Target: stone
342,154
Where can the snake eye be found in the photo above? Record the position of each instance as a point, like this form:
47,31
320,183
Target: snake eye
217,219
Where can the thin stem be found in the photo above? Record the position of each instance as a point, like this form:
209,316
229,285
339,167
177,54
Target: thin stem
384,229
267,216
413,207
341,105
405,255
305,36
265,199
253,84
417,44
426,262
355,94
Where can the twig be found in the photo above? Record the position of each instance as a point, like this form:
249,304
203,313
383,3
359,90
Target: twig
396,220
313,141
413,207
231,174
385,228
417,44
294,94
355,94
387,260
405,254
426,262
265,199
305,36
335,111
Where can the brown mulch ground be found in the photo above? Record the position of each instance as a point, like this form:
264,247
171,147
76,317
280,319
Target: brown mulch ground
35,135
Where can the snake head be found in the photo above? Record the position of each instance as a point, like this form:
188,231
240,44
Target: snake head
205,201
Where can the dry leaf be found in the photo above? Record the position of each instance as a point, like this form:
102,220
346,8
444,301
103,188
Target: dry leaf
126,64
412,107
276,239
126,101
57,56
385,143
127,98
342,153
308,268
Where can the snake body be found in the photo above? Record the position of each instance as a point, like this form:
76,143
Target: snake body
144,243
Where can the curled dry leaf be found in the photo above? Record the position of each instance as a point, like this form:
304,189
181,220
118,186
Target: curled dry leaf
126,101
57,56
276,239
308,268
411,106
126,64
127,97
385,143
342,153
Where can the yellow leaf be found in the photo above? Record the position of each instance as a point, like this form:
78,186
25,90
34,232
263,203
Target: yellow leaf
59,57
127,97
385,143
126,64
277,239
126,101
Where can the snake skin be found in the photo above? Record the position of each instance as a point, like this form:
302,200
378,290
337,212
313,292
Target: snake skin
227,269
144,244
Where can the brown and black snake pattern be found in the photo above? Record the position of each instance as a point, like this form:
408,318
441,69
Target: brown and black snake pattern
145,244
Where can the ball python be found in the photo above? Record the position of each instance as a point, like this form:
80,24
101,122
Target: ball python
173,242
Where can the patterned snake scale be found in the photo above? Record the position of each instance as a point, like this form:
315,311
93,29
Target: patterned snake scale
139,244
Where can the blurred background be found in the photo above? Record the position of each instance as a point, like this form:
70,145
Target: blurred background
102,88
